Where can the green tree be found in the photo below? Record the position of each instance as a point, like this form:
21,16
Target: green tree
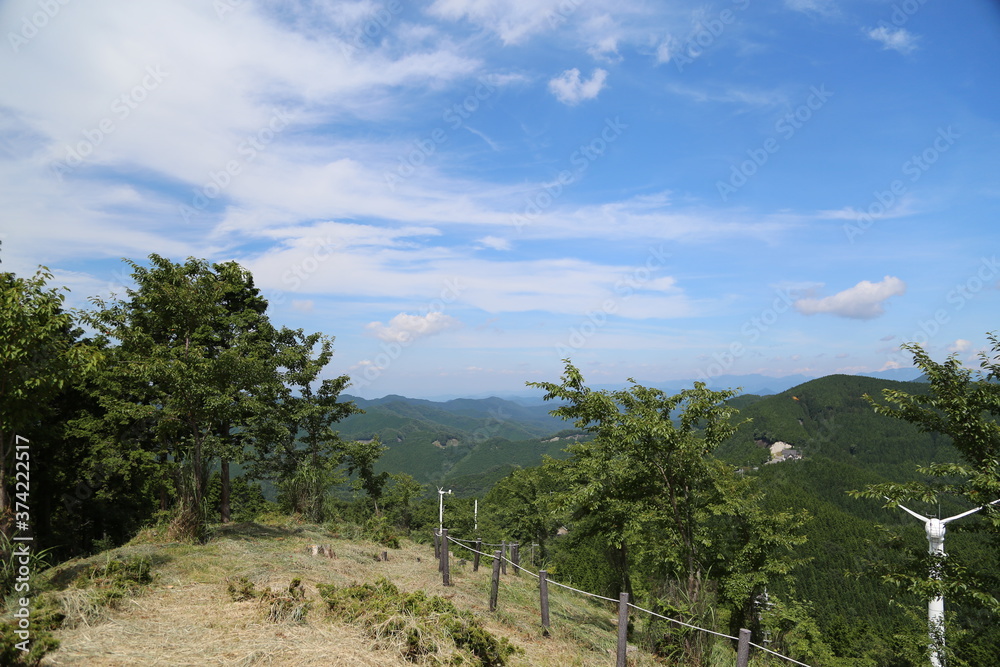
187,350
964,405
649,485
40,355
642,471
293,443
523,506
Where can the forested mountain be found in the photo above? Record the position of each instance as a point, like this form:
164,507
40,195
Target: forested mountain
829,417
846,446
466,443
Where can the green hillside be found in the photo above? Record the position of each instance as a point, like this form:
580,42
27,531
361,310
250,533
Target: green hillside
829,417
845,446
476,441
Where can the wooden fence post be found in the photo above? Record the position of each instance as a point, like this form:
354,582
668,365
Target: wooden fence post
503,557
475,556
743,649
622,629
515,558
437,545
543,594
495,582
445,574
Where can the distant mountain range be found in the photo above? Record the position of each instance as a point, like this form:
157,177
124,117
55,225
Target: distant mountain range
470,443
753,383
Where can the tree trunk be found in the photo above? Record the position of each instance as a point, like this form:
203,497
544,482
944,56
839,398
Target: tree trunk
224,501
164,497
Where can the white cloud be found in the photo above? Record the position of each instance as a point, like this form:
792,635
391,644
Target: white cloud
864,301
303,305
825,7
570,89
512,20
405,328
494,242
665,50
960,345
731,95
898,39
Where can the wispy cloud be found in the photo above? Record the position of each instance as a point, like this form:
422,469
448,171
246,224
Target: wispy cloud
895,39
492,144
823,7
570,89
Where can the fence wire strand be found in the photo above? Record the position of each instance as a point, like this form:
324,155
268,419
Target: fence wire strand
779,655
601,597
674,620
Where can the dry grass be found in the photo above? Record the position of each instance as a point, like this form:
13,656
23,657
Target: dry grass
187,616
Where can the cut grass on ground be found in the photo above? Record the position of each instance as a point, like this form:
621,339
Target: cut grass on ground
188,613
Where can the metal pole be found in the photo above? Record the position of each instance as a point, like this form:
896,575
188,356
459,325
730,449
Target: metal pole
445,573
543,594
441,494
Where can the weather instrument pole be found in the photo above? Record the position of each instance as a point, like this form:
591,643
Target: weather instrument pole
441,494
935,607
475,516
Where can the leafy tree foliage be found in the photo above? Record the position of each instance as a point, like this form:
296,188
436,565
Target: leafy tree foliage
649,485
197,374
40,356
963,405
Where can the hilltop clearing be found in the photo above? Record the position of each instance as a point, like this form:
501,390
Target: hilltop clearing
202,605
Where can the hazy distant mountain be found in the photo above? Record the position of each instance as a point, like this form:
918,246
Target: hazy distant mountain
753,383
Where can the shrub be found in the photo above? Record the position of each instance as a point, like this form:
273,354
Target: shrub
418,626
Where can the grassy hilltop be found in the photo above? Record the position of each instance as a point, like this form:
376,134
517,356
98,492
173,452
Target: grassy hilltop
231,602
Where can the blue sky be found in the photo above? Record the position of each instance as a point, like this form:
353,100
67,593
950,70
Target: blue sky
464,193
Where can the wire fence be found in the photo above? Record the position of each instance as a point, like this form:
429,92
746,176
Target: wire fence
743,641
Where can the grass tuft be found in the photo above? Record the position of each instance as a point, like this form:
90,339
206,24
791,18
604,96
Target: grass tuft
418,626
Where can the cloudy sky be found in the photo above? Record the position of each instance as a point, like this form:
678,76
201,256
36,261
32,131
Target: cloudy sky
464,192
